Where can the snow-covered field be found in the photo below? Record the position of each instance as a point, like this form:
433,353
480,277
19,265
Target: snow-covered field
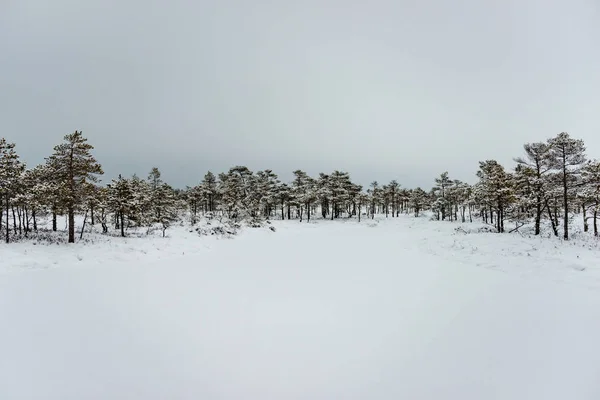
400,308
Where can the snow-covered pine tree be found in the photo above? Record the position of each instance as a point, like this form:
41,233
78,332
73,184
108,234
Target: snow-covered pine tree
282,197
591,192
142,211
11,171
166,205
536,164
120,201
418,200
497,189
394,196
362,200
442,184
567,155
72,167
374,196
323,190
303,192
339,186
266,184
209,191
234,190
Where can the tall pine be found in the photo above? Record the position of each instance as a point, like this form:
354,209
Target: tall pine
73,166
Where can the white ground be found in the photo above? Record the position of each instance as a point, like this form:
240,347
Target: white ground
398,309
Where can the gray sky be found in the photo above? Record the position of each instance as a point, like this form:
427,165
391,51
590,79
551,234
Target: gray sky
399,89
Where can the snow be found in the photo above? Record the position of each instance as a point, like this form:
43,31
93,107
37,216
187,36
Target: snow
401,308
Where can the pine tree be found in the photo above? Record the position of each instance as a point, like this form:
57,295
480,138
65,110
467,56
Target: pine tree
11,170
418,200
120,201
166,206
266,185
394,195
209,191
591,192
497,189
374,197
441,186
304,192
72,167
537,164
567,155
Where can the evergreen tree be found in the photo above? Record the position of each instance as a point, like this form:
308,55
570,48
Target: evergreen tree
418,200
496,188
441,187
120,201
304,192
536,166
72,167
591,193
209,191
567,155
166,206
11,170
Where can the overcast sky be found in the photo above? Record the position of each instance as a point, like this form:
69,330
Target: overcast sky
399,89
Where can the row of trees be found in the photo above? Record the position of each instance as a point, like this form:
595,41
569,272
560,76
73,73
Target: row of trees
551,181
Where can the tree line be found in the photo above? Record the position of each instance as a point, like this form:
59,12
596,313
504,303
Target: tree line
551,181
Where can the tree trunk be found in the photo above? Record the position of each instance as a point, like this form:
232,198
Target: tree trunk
83,226
122,223
14,220
26,217
34,220
585,222
565,204
595,222
54,227
71,224
538,214
7,224
554,228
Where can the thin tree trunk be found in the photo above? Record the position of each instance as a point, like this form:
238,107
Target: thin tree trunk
54,227
554,228
71,224
565,205
7,218
538,215
585,222
26,216
14,220
83,226
122,223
